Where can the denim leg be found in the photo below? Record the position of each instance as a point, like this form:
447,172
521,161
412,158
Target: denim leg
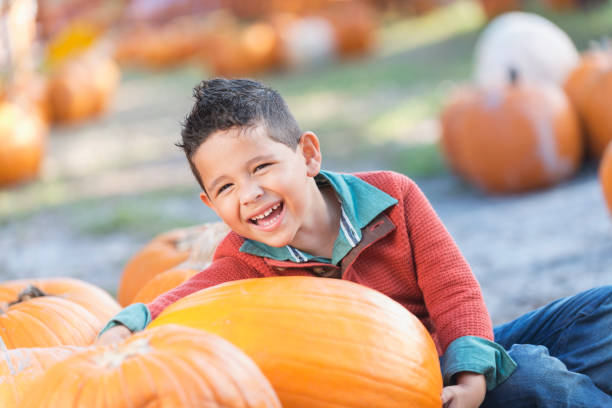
577,331
543,381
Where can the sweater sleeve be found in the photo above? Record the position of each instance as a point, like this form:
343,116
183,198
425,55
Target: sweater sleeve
221,270
450,291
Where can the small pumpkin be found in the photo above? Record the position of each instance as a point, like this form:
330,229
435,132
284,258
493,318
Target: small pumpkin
605,176
354,26
512,138
166,251
52,312
582,82
20,367
167,367
82,87
23,137
493,8
261,46
596,111
321,342
162,283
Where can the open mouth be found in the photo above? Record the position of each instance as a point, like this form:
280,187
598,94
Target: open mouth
269,217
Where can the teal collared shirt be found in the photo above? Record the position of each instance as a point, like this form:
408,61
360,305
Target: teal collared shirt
361,203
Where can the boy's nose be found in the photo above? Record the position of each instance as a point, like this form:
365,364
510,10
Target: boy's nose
250,193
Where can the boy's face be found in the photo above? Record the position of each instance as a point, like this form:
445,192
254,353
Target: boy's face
260,188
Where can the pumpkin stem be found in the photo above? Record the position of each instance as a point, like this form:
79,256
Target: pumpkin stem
30,292
513,75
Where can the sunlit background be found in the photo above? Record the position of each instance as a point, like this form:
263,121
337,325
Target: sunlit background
93,94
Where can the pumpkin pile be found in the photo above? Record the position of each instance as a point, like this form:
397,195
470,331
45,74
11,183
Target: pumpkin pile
537,110
276,36
296,341
515,130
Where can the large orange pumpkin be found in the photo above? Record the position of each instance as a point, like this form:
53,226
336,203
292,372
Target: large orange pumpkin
20,367
605,175
321,342
23,138
511,138
52,312
166,251
167,367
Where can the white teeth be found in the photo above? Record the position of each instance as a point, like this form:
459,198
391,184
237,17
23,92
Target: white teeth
266,213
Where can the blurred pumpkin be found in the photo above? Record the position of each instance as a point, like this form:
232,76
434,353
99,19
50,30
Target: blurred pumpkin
511,138
23,137
166,251
308,41
596,109
583,81
162,283
493,8
533,45
20,367
52,312
166,367
82,87
354,24
572,4
261,47
605,176
561,4
170,44
321,342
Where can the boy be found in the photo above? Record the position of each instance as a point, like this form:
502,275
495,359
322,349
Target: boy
262,175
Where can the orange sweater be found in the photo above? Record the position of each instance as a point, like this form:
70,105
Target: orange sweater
406,253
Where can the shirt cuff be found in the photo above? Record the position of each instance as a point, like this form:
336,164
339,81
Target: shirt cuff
135,317
477,355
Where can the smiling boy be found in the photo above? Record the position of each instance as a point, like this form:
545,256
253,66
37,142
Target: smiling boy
262,176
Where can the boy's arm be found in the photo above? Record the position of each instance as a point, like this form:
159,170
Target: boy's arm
137,316
452,297
450,291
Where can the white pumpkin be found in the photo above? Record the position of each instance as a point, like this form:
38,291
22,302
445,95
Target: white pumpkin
309,41
534,46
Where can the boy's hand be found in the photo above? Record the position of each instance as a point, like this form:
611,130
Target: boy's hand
114,335
468,393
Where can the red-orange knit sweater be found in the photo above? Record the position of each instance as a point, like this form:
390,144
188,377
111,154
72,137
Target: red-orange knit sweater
417,264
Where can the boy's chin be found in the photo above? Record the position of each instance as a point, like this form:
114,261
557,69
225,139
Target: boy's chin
273,241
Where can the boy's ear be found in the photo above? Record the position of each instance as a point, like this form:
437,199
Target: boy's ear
205,199
311,150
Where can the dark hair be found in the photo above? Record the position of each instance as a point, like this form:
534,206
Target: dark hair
221,104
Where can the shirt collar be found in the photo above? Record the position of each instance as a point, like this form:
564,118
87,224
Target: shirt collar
361,202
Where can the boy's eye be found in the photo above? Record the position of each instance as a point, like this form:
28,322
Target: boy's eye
223,187
261,166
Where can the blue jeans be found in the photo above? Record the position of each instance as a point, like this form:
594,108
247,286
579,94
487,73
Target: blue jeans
564,354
